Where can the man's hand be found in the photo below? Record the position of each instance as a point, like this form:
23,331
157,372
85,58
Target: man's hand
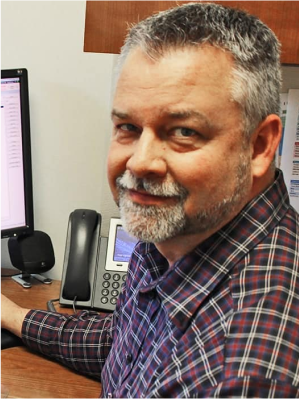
12,316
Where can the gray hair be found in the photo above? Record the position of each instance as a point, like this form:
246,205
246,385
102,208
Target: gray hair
256,76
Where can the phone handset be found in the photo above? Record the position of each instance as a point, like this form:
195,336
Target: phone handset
82,225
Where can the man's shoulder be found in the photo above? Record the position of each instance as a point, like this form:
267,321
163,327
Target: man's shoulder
270,269
281,245
278,245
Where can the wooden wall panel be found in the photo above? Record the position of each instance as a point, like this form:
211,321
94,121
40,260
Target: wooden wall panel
107,22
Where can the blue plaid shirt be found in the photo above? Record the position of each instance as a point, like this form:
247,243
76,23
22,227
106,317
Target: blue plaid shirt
222,322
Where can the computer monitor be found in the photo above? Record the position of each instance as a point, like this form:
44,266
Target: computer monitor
16,175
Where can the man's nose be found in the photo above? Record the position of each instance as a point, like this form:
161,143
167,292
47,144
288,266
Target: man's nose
148,156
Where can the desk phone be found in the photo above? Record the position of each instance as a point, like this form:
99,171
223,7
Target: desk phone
94,267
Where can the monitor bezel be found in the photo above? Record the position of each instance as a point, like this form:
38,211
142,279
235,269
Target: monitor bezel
28,228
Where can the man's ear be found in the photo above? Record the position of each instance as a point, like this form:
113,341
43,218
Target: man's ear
264,143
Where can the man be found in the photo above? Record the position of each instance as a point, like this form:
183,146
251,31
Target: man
209,308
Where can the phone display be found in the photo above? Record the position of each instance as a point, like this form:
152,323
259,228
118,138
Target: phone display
124,245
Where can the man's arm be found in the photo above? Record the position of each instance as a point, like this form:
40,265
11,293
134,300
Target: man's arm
12,316
81,341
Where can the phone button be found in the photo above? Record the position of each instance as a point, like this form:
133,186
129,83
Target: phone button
105,292
106,276
106,284
115,293
115,285
116,277
113,301
104,299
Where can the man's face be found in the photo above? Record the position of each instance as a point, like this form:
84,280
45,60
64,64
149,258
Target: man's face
177,164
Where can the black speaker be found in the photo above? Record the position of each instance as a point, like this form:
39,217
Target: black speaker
32,253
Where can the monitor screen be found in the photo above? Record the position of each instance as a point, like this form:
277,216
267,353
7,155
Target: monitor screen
16,175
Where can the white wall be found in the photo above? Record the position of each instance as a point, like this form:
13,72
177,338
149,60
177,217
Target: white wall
70,94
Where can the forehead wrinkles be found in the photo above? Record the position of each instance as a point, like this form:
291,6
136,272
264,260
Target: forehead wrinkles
159,87
170,101
179,81
176,73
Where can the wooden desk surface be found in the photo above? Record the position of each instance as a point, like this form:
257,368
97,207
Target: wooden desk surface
25,374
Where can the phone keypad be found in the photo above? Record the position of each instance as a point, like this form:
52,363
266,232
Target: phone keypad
111,287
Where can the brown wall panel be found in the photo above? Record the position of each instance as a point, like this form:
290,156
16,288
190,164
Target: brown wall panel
107,22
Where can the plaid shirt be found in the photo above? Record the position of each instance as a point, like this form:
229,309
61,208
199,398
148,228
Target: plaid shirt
222,322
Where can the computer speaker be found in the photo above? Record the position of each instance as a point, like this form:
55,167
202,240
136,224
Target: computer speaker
32,253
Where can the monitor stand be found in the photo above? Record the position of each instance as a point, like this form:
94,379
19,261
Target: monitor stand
21,279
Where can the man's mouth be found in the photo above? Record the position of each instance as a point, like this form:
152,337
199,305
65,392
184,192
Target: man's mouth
146,192
142,197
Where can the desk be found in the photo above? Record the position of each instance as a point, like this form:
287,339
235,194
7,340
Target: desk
25,374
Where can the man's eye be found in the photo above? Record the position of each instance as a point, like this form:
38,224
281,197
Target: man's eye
127,127
184,132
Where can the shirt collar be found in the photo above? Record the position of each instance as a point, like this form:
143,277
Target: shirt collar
183,287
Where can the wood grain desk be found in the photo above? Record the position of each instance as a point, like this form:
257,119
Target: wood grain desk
25,374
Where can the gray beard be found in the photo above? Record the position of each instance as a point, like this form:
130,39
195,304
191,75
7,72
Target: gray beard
160,223
151,223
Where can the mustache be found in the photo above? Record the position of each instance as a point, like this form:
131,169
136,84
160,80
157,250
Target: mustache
127,181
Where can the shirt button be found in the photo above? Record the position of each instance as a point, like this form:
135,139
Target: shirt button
151,294
128,358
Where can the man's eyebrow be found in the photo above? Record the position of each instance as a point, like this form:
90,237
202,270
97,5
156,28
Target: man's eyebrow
179,115
119,114
188,114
